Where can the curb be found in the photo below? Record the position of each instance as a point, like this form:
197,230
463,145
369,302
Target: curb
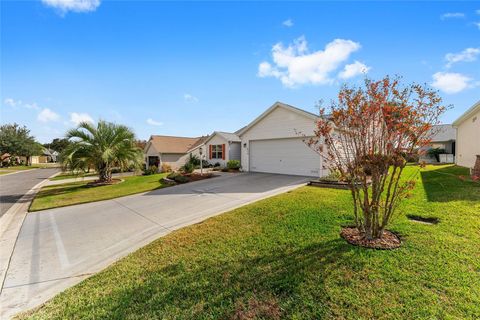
10,224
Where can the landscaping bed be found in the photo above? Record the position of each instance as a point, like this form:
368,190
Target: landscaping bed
283,258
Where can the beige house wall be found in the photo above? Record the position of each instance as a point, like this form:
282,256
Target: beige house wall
468,140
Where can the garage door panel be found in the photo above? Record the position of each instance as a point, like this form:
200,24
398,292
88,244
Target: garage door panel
284,156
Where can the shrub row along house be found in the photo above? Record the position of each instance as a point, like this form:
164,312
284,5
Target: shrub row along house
272,143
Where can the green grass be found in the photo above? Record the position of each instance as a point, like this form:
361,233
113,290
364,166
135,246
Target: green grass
79,192
282,258
66,175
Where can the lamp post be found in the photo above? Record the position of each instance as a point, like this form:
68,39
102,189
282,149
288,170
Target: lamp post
201,160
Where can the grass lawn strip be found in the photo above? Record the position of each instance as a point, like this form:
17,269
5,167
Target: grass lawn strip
282,258
80,192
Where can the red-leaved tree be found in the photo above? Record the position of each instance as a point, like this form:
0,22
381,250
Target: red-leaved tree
366,137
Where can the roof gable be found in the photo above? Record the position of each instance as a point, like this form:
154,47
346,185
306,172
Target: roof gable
472,110
275,106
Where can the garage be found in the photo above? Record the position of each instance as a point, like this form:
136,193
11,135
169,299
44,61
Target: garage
273,142
284,156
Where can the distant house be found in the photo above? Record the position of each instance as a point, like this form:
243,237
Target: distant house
443,136
219,147
468,136
169,150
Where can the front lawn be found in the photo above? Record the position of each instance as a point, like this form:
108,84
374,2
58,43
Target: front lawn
282,258
80,192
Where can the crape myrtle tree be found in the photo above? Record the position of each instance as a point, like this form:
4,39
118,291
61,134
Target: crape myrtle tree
366,137
102,147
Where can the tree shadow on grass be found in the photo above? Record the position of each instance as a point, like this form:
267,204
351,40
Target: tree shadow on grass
211,288
445,184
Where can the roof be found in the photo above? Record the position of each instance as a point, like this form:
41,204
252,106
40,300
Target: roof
467,114
199,143
443,132
273,107
170,144
230,137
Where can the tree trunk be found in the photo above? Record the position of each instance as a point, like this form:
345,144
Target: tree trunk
105,174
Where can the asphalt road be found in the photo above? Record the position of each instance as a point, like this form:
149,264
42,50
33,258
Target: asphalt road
58,248
14,186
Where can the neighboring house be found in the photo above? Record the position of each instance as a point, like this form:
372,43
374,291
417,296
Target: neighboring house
168,150
50,155
220,147
443,136
468,136
273,143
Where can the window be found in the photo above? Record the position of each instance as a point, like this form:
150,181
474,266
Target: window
217,152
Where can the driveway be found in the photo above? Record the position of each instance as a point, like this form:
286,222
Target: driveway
14,186
58,248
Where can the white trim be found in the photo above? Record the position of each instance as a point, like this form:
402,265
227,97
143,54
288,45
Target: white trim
467,114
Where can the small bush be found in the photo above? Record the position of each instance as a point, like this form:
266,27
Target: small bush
166,167
187,168
334,175
181,179
233,164
194,160
173,175
435,153
151,170
217,164
206,164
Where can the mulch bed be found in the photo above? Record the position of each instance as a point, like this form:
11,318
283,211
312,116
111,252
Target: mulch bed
388,241
98,183
198,176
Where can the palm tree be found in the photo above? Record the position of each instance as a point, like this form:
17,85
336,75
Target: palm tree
103,147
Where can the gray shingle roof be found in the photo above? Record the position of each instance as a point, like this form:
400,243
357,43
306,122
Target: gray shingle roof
443,132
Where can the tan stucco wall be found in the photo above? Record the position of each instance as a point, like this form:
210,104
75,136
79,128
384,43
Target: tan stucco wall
468,141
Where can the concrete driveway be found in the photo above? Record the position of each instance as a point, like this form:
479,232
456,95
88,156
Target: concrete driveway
58,248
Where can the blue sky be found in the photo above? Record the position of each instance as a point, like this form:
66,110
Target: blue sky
191,68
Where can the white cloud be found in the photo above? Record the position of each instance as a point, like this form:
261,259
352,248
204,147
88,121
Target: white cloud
189,98
295,65
33,106
477,24
288,23
452,15
77,118
72,5
467,55
152,122
11,102
451,82
353,70
47,115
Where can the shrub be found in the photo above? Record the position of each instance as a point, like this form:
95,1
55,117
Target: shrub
181,179
435,153
206,164
217,164
233,164
151,170
166,167
194,160
187,168
173,175
334,175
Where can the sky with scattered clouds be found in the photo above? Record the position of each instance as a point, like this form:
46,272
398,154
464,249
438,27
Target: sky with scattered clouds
191,68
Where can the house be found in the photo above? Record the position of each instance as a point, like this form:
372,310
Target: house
220,147
443,136
168,150
50,155
468,136
272,143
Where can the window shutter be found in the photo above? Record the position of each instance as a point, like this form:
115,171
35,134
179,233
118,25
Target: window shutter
210,151
223,151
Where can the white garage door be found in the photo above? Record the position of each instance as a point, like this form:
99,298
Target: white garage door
284,156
